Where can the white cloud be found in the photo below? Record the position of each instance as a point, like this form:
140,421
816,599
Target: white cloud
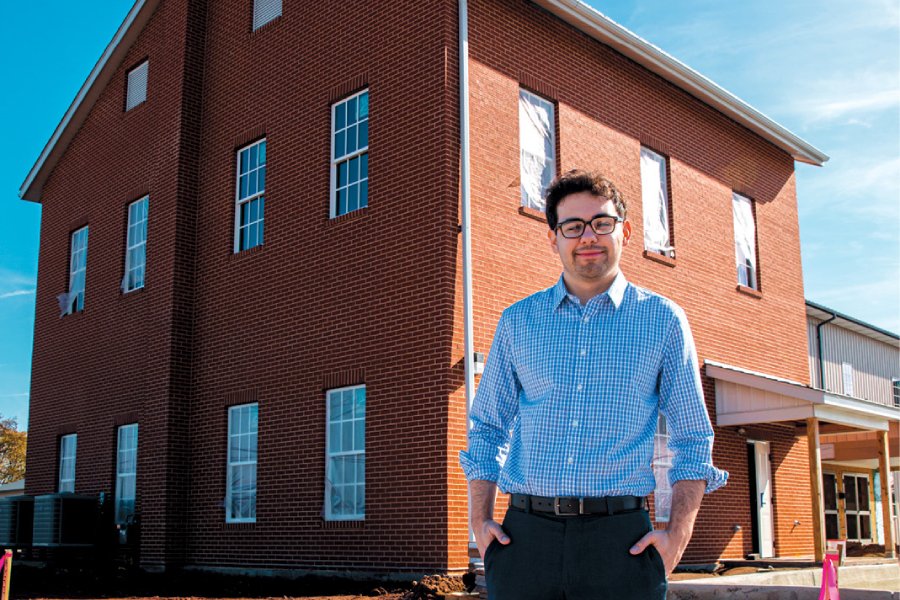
15,293
855,103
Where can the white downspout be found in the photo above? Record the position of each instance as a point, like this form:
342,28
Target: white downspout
465,191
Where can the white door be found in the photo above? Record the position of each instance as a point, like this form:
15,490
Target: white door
764,499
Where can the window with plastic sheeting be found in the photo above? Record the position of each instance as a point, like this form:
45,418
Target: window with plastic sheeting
655,196
136,87
537,148
345,477
662,462
240,488
126,473
136,245
264,11
350,154
68,445
73,301
744,240
250,202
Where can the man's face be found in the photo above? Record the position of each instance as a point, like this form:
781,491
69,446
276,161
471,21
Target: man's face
590,259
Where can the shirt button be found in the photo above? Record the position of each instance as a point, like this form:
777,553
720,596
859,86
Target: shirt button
583,352
579,387
586,319
575,423
570,460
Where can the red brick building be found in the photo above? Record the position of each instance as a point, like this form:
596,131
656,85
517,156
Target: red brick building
279,307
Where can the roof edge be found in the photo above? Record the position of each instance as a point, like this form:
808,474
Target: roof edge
815,309
84,101
601,27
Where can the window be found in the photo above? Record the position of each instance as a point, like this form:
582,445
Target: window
77,268
264,11
240,493
250,203
126,472
895,388
655,195
744,240
136,245
345,480
847,378
67,446
662,462
350,154
136,88
537,148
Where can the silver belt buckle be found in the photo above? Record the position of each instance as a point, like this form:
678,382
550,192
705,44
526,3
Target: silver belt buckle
556,507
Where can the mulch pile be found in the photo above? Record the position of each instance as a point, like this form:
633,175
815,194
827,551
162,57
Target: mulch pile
434,587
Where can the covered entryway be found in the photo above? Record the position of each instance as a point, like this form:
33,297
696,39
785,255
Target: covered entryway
746,398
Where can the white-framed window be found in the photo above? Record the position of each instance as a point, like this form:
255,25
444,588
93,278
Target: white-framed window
136,245
240,489
67,450
136,85
126,472
537,148
895,390
662,462
847,378
77,270
249,214
655,197
744,240
264,11
350,154
345,449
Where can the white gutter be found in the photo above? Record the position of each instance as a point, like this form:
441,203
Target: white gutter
84,101
597,25
466,226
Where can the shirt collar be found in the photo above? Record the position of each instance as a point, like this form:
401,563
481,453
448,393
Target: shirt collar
616,291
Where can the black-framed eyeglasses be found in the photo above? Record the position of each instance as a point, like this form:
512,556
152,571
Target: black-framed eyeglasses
601,224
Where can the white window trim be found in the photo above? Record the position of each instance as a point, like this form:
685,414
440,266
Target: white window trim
121,475
67,443
650,198
335,161
895,391
847,379
129,247
534,99
259,12
73,272
736,200
228,464
328,455
143,70
238,201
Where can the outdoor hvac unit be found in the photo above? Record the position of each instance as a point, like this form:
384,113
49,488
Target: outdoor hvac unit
64,520
16,521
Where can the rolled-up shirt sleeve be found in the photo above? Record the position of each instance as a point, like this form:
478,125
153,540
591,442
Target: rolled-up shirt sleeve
493,411
681,401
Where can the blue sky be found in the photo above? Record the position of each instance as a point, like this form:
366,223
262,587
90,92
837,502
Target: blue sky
828,70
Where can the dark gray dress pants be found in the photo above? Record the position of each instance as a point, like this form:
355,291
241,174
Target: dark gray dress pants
574,558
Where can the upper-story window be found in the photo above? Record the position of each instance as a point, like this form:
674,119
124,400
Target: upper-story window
136,245
67,448
895,389
77,269
250,197
126,472
847,378
655,196
744,240
350,154
264,11
240,491
345,448
537,148
136,87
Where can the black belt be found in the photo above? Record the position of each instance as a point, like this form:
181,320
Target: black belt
605,505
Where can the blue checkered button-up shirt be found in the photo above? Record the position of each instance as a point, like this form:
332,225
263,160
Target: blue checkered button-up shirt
570,396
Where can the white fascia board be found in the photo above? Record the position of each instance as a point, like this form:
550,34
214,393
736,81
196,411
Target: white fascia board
607,31
84,101
858,406
761,381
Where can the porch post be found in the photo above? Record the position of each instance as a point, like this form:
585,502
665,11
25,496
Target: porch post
885,476
815,486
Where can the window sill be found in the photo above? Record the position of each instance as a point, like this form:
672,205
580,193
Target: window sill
353,215
660,258
242,254
533,213
136,108
265,26
749,291
355,524
239,525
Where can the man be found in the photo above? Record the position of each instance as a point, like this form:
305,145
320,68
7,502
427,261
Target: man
565,416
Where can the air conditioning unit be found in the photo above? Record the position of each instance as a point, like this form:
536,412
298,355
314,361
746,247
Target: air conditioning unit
16,521
64,521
